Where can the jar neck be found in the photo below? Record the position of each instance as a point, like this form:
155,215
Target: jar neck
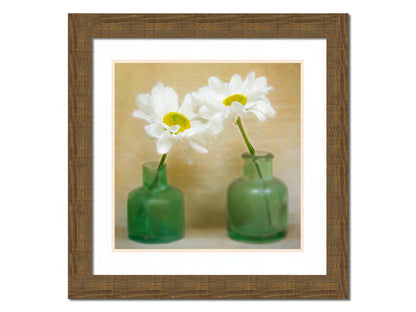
154,178
258,167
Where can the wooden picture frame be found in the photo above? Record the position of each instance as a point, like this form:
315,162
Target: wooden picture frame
82,29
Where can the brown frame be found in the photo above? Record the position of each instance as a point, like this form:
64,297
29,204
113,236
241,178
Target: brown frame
82,29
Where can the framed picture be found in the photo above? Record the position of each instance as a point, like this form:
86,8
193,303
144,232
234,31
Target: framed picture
205,180
208,156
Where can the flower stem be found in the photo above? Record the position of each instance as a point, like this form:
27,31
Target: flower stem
249,145
161,162
244,134
253,152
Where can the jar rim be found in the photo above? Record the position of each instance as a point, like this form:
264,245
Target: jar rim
258,155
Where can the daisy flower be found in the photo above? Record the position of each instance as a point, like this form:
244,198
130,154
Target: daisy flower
169,123
220,102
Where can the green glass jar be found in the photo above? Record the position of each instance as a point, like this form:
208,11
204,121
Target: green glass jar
257,202
155,211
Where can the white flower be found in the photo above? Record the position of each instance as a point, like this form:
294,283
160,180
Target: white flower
221,101
169,123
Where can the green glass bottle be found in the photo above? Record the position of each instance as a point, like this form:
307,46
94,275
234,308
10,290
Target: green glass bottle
257,202
155,211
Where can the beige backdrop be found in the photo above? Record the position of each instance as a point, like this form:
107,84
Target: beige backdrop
205,182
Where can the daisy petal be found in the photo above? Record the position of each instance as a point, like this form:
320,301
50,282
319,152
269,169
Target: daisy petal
237,106
201,138
259,88
190,155
143,101
139,114
266,109
196,123
187,107
154,130
173,129
205,96
205,112
260,83
197,98
165,99
216,123
259,115
250,105
249,81
198,128
165,142
235,84
237,109
217,85
198,148
188,133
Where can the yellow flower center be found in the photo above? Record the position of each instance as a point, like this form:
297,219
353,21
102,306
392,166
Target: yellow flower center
240,98
177,119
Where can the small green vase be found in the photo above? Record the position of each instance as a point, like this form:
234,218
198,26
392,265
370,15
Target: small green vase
257,202
155,211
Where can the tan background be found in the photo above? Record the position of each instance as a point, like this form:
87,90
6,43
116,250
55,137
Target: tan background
205,182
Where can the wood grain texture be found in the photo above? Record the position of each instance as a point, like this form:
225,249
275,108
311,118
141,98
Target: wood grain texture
83,28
